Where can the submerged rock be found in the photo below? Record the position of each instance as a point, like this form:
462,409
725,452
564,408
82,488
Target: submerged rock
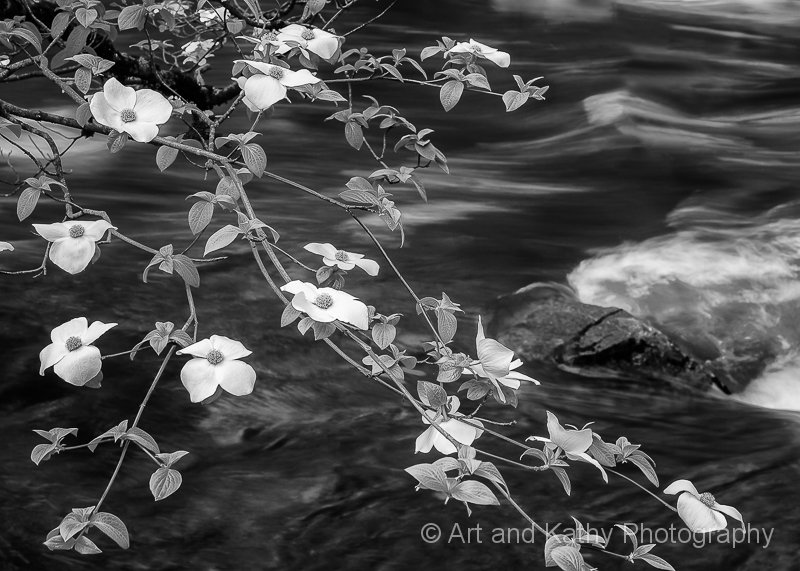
546,323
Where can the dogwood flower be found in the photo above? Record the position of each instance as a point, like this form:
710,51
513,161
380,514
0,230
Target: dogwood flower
208,17
327,304
73,242
264,89
572,441
317,41
137,113
6,246
700,512
460,431
341,259
480,50
216,365
71,353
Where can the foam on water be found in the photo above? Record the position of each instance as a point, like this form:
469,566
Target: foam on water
730,291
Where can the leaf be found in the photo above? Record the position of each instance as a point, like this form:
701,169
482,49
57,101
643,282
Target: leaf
429,476
354,134
656,561
113,527
86,16
289,315
429,52
642,463
200,215
431,394
553,542
42,453
170,458
255,158
628,533
28,36
142,438
164,482
86,546
70,526
475,493
60,23
561,474
132,17
447,324
221,238
28,199
450,94
116,141
490,472
568,558
82,114
323,330
359,197
83,79
383,334
227,186
165,156
187,270
514,99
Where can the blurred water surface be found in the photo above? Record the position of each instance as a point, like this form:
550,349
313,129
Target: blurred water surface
660,176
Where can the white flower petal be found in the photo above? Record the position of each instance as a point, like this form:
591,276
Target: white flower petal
495,357
6,247
230,348
198,378
729,511
52,232
140,131
95,330
51,355
350,311
369,266
264,68
301,303
72,254
296,286
97,229
681,486
519,377
152,107
338,264
80,366
324,46
298,78
442,444
235,377
697,516
199,349
501,59
293,30
462,432
424,441
104,113
118,96
509,382
326,250
75,327
264,91
571,441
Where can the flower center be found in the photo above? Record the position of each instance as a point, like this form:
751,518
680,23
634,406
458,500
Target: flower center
128,115
276,72
323,300
73,343
307,35
707,499
341,255
76,231
215,357
271,36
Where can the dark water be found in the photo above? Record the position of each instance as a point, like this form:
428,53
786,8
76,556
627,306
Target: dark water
660,176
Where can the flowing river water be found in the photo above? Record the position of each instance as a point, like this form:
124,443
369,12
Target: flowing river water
659,177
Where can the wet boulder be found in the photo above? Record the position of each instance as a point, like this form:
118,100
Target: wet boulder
546,323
